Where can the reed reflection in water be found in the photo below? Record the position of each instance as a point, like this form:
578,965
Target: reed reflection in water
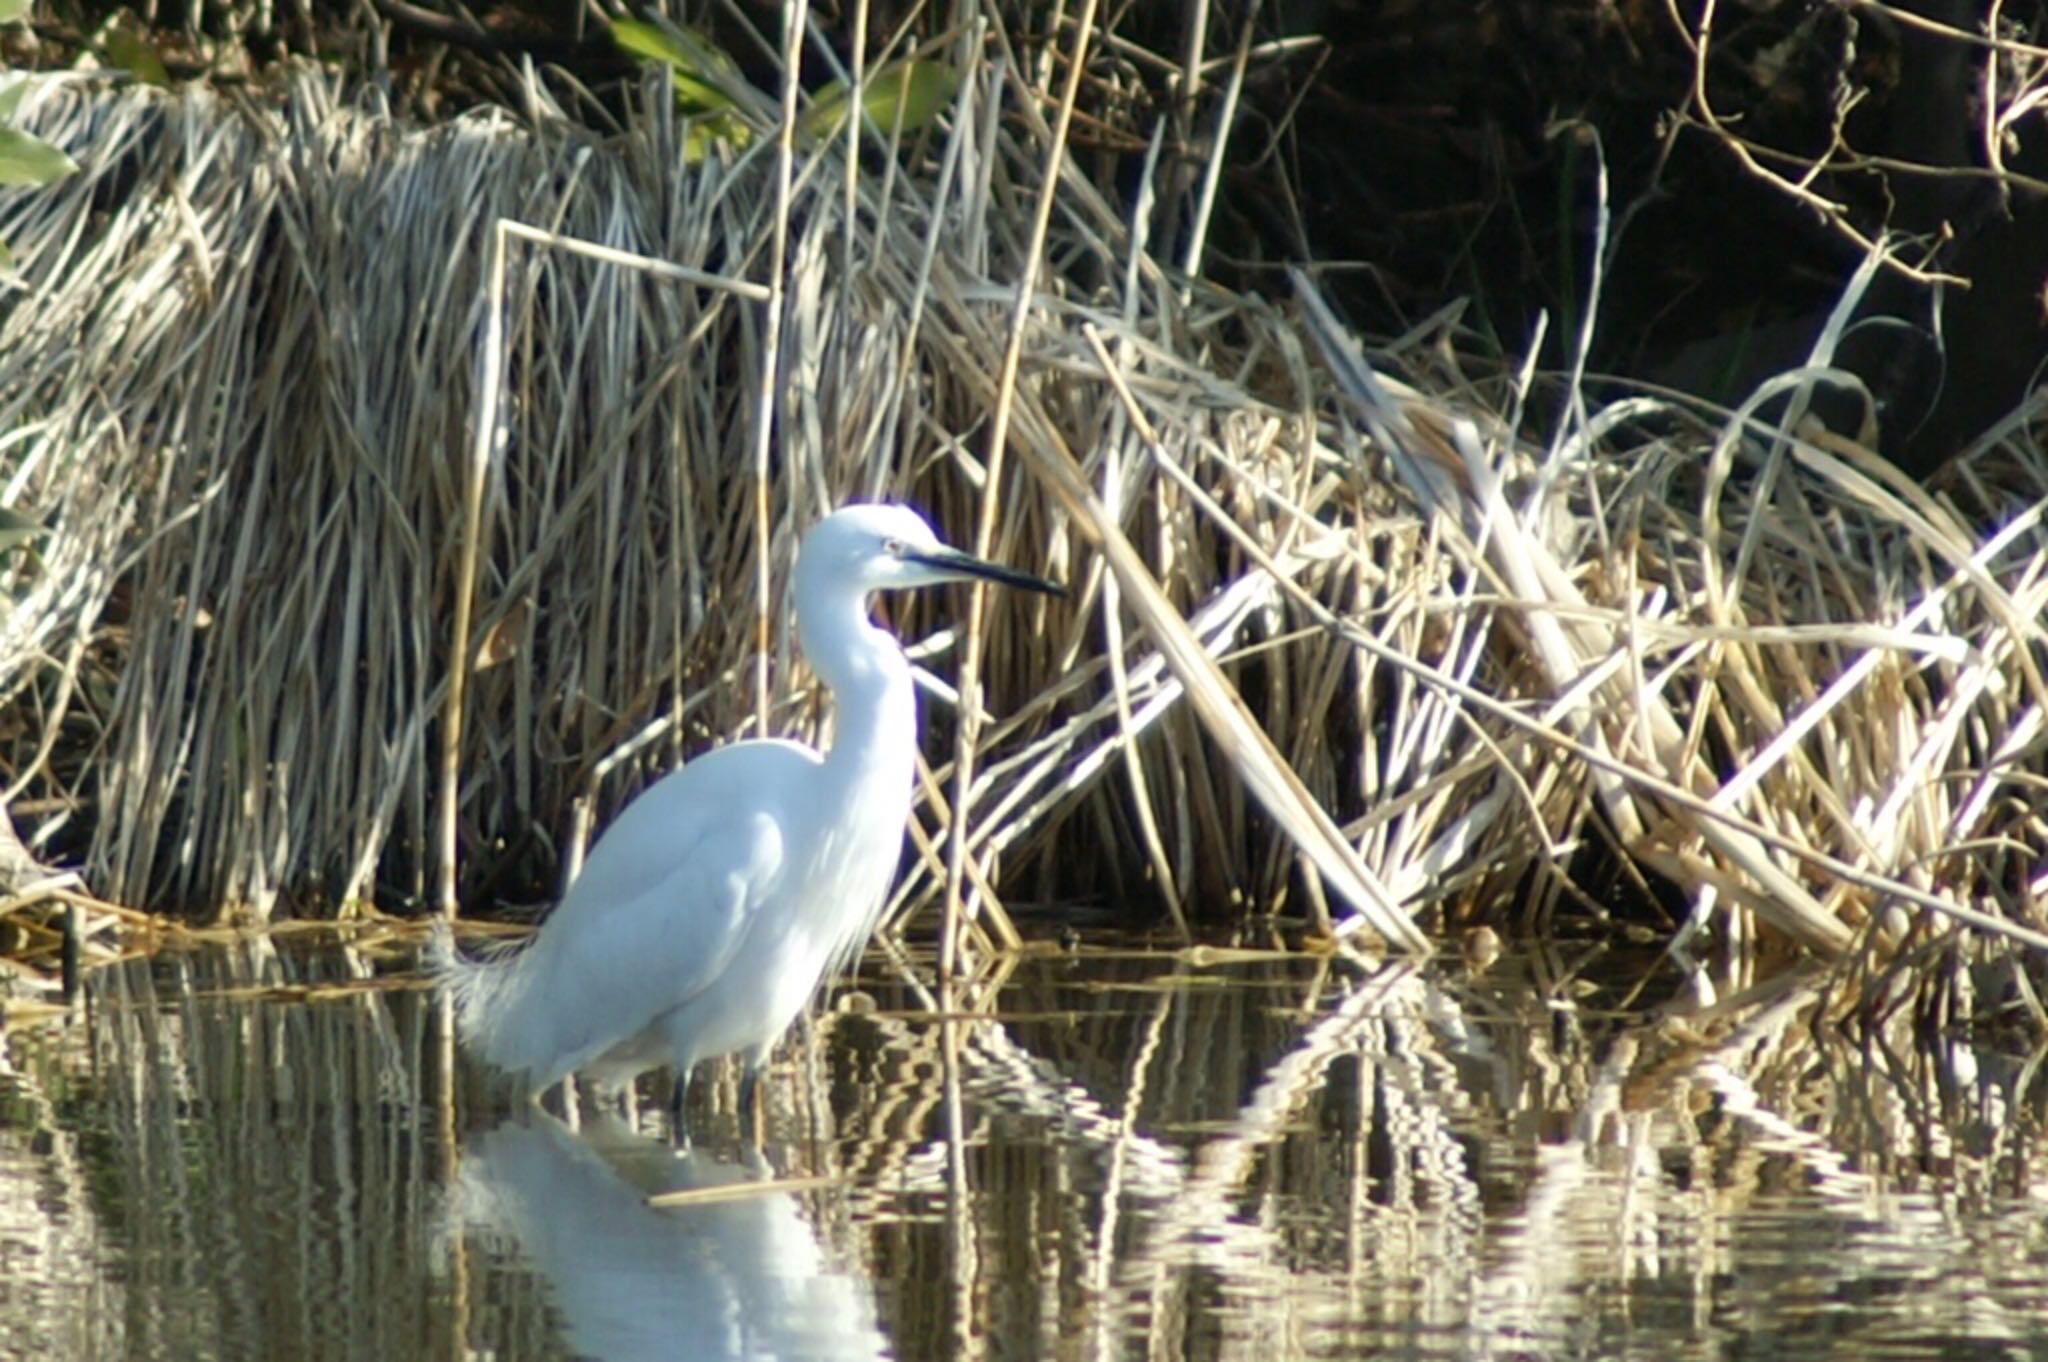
256,1151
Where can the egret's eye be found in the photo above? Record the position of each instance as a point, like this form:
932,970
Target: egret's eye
893,547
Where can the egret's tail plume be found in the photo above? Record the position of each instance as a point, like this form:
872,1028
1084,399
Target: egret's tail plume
441,957
485,993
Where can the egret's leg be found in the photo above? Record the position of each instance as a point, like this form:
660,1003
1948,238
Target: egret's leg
750,1103
679,1108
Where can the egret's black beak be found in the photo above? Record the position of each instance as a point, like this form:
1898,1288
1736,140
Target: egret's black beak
953,563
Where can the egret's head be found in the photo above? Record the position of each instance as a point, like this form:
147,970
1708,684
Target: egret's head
886,548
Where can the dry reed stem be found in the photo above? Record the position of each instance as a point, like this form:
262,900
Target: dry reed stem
1773,678
969,731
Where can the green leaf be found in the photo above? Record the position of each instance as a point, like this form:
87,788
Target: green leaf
913,91
706,131
703,75
26,160
10,98
709,87
129,48
11,10
648,41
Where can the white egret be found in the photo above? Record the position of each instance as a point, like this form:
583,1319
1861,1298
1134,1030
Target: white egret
715,902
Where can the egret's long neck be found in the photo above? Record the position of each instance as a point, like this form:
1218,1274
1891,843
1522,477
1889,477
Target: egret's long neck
875,728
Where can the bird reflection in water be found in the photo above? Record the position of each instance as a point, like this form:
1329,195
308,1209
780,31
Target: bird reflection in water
734,1277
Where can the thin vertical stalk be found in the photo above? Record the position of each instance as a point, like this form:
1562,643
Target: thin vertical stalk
963,1263
991,491
1212,175
491,371
795,19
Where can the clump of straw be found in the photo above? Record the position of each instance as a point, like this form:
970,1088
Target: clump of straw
1339,644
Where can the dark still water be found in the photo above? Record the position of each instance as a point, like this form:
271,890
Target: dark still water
259,1150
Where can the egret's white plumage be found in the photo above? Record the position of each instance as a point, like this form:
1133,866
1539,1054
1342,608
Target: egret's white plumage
714,903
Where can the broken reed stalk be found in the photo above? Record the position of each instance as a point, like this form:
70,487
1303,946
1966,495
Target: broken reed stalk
1440,660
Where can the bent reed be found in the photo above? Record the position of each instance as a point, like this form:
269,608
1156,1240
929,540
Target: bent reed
1726,666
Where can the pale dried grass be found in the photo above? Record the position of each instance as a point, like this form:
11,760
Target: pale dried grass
1436,655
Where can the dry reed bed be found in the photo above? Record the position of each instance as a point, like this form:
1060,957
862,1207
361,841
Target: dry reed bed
241,367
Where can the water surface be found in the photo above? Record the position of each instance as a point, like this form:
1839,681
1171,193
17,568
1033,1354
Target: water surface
261,1149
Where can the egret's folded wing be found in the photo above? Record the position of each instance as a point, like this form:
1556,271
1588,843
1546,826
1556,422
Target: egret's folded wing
694,821
636,937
